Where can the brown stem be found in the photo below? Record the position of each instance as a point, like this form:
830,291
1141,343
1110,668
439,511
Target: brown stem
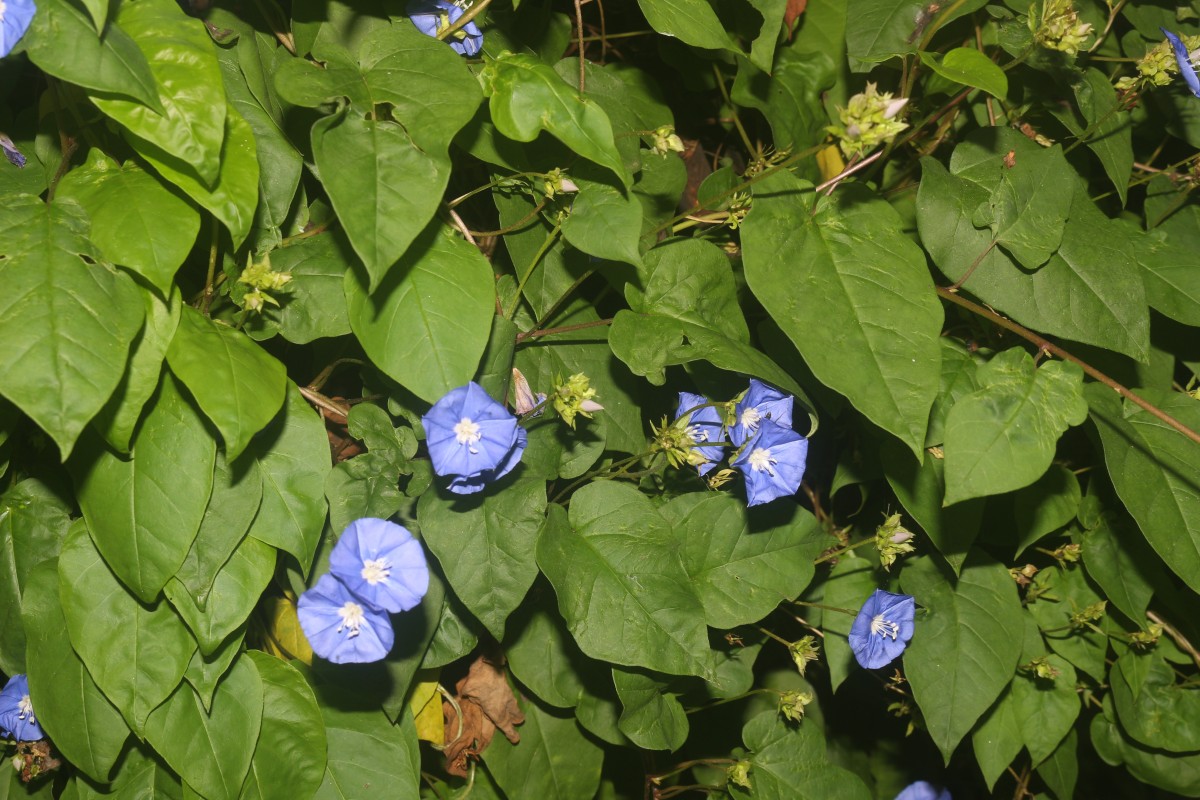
579,35
522,336
974,264
1054,349
1175,635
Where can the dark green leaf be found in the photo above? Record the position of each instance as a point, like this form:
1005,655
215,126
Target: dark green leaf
1045,708
788,762
850,583
235,590
651,718
1169,256
1154,710
1046,505
289,759
691,21
368,755
553,760
314,305
541,653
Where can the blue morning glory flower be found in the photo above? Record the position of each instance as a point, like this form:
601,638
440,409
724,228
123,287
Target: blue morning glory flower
15,16
772,463
16,712
760,402
14,156
381,564
472,438
340,627
923,790
704,426
882,628
434,16
1184,59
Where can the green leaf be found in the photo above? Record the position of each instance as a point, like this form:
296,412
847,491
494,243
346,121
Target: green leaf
211,751
85,726
969,67
966,645
1002,436
205,672
136,653
788,762
1060,770
289,759
691,21
528,97
363,486
854,295
181,59
1045,708
617,560
58,307
789,96
1045,505
136,221
1169,256
850,583
541,653
553,760
144,510
1175,773
293,457
998,739
33,524
652,719
427,324
1117,557
237,384
1155,710
1109,132
485,544
1154,469
743,562
367,753
314,305
686,309
1063,593
63,42
605,220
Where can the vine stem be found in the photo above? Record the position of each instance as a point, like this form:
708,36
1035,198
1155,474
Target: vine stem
841,551
537,258
462,21
1054,349
1179,638
598,323
212,268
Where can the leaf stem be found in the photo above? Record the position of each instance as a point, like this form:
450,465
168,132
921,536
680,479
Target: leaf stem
1053,349
849,611
842,551
750,149
206,301
537,258
598,323
549,313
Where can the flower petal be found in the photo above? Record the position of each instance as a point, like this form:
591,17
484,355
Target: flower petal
320,612
381,564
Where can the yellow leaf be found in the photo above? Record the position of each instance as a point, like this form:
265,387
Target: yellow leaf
830,162
426,705
283,636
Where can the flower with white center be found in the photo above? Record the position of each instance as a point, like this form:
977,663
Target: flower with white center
882,629
15,18
16,712
472,439
703,425
772,463
761,402
381,564
340,627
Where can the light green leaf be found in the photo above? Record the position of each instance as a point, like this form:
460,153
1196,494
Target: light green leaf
314,305
969,67
743,562
85,726
691,21
652,719
966,646
236,383
211,751
144,510
1002,436
528,97
141,775
1045,708
605,220
1169,256
553,760
205,672
854,295
1154,469
997,740
136,221
788,762
58,307
136,653
877,30
427,324
1155,710
368,755
289,759
617,560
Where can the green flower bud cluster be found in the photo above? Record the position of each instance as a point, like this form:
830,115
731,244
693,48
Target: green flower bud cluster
1059,27
674,440
804,650
1147,639
791,704
664,140
1041,668
1158,66
867,121
556,182
892,540
262,280
739,774
574,397
1089,614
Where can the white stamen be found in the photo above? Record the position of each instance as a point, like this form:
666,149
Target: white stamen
3,8
760,460
467,432
352,617
697,434
376,571
750,419
25,705
883,627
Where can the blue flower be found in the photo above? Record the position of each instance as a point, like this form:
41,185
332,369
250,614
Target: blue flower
14,156
923,790
760,402
15,16
472,438
381,564
773,463
16,712
340,627
433,16
704,426
1184,59
882,628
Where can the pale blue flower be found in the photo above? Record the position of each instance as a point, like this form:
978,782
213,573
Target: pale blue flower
1184,59
472,439
923,790
340,627
15,17
433,16
772,463
16,712
381,564
704,426
882,628
14,156
760,402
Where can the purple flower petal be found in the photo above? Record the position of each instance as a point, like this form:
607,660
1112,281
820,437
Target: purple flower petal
381,564
17,718
340,627
923,790
761,402
472,438
14,156
882,629
705,426
1184,59
772,463
14,21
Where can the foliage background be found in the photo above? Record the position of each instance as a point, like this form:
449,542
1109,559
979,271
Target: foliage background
169,488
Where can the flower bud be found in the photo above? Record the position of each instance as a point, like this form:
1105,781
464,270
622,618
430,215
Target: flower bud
804,650
1059,27
663,140
867,121
739,773
1041,668
892,540
574,396
791,704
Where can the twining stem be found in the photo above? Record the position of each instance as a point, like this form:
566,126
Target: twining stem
841,551
614,467
774,636
206,301
521,223
974,264
468,15
579,39
598,323
1178,637
725,700
537,258
849,611
686,765
549,313
318,383
732,109
1045,345
495,182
